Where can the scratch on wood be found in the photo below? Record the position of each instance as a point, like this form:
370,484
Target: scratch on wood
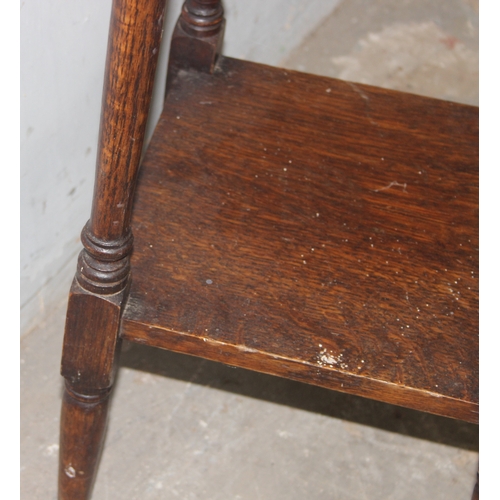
366,99
393,183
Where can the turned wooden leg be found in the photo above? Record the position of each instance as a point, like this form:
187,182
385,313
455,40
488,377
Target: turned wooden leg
89,363
197,38
83,424
98,293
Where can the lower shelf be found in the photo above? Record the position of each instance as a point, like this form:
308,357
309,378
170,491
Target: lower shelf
314,229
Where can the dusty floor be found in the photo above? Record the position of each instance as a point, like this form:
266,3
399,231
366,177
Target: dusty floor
184,428
419,46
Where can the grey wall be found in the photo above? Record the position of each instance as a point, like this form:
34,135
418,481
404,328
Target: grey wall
63,46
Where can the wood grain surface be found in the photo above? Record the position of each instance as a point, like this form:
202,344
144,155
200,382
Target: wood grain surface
91,343
314,229
133,45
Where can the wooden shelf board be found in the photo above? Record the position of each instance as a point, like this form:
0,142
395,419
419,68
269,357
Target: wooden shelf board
314,229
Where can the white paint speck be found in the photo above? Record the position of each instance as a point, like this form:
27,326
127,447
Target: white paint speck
328,358
70,472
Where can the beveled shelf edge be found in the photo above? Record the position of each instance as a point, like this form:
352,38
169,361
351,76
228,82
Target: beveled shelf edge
314,374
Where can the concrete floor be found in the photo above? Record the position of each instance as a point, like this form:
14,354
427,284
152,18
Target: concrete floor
185,428
419,46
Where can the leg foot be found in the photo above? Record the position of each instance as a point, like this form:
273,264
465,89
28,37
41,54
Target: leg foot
475,494
83,423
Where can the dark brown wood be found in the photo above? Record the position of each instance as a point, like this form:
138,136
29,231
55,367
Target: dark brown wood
89,362
313,229
197,38
83,423
134,42
296,225
91,343
475,493
202,18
